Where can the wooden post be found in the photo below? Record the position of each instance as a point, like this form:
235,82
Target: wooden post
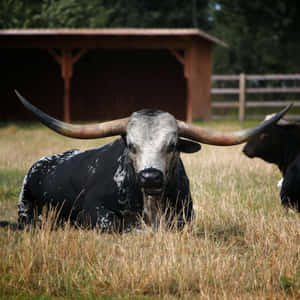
242,97
66,61
187,59
67,72
67,99
197,72
198,75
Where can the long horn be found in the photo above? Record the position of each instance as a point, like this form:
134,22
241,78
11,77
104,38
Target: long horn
218,138
281,122
105,129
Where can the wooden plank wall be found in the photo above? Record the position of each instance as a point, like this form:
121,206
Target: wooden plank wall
106,84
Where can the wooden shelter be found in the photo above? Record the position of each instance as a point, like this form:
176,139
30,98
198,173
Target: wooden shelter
107,73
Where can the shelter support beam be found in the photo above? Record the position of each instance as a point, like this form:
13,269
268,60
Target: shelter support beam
197,70
66,61
181,59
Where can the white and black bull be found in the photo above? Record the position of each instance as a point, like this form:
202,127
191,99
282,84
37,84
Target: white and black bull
280,144
139,175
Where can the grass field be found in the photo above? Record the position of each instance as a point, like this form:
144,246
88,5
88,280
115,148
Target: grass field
243,244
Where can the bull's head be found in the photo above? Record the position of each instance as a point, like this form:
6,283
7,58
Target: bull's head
269,143
154,142
154,146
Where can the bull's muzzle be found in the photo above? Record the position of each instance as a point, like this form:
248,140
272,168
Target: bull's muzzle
151,181
249,151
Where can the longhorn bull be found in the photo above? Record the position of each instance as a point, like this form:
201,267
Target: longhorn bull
280,144
139,175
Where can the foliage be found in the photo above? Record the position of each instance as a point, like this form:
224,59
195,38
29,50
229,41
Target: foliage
11,12
101,13
72,14
157,13
263,36
53,14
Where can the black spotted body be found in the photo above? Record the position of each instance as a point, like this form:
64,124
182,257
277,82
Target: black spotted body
97,188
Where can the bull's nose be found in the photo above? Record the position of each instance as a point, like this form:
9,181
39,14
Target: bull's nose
151,178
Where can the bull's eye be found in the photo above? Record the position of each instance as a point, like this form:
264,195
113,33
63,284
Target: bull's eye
171,148
131,149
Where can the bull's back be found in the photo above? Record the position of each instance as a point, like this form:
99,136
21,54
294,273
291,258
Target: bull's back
65,180
42,182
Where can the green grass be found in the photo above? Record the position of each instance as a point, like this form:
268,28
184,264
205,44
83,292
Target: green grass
10,181
242,245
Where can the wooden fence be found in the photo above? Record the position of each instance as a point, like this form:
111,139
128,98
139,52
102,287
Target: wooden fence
242,91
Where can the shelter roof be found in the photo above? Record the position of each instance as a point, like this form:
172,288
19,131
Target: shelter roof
113,32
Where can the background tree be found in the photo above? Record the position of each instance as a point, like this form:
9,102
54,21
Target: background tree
72,14
13,14
263,36
103,13
157,13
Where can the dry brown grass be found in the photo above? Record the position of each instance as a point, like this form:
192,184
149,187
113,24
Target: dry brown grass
243,244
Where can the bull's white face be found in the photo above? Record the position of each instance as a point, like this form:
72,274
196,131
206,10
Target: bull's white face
151,141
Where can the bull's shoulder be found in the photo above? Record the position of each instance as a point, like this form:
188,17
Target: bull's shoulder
180,171
100,159
291,181
296,162
290,190
76,166
294,167
114,149
179,179
76,159
51,161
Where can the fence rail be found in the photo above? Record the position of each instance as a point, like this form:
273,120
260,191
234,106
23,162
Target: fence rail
242,91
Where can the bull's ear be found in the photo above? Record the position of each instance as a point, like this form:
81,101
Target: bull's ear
187,146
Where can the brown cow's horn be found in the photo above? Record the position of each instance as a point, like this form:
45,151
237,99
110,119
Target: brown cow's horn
100,130
218,138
